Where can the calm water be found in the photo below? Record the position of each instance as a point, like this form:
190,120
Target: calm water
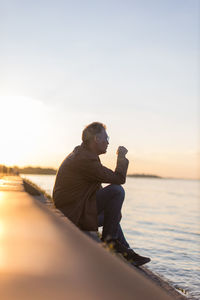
161,219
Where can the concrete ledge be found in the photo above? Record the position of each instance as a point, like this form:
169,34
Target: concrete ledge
46,257
158,280
31,188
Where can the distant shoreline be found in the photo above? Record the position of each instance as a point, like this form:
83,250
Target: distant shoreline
144,176
37,170
50,171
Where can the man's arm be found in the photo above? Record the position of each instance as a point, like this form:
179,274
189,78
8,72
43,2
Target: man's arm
93,170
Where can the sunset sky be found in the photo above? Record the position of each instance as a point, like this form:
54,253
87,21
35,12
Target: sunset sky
133,65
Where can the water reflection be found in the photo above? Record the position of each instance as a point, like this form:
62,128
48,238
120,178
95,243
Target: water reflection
161,218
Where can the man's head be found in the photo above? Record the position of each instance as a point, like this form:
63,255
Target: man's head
95,138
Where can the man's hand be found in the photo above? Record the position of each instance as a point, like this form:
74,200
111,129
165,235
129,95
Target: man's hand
122,151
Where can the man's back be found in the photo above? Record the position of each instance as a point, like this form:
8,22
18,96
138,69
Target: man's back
78,179
72,190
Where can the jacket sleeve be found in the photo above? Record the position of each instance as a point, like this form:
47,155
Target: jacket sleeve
93,170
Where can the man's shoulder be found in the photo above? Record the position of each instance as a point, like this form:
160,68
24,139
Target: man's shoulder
80,154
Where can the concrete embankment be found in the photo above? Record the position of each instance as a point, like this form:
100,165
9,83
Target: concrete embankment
44,256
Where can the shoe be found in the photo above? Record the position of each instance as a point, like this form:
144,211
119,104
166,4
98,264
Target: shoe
128,253
136,259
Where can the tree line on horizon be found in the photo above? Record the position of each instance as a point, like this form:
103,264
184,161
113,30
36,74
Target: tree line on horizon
144,175
26,170
50,171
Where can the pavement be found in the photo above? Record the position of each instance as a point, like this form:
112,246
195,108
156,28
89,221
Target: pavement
44,256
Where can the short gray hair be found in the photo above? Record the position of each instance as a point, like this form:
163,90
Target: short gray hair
91,130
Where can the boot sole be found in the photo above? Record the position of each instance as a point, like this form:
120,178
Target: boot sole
139,264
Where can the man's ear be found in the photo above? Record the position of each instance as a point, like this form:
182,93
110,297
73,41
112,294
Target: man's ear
96,139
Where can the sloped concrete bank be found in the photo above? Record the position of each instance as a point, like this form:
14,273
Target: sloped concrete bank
157,280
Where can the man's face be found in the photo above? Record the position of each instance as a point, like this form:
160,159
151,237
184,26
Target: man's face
102,141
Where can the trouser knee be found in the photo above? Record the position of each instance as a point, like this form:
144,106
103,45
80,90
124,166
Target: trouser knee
118,192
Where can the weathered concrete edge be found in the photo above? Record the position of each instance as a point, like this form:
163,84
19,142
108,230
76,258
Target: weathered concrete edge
42,197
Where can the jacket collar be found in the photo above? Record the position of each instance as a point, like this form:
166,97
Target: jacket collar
84,150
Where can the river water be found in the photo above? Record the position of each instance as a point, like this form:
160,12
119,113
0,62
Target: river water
161,219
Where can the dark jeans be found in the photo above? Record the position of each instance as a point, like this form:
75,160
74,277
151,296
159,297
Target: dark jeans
109,204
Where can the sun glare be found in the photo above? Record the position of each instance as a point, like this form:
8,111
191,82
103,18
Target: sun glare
21,119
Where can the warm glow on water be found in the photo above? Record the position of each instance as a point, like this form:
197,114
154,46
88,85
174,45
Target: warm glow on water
161,220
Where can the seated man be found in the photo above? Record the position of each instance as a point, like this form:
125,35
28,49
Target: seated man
79,195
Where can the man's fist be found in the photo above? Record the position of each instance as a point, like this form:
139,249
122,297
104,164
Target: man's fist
122,151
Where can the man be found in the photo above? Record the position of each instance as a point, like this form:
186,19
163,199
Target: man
79,195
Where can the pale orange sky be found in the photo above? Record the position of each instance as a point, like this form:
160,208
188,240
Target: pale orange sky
133,66
39,135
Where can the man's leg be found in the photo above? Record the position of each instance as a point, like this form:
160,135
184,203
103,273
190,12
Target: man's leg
109,204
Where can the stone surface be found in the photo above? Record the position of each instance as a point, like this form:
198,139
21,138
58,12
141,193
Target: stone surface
44,256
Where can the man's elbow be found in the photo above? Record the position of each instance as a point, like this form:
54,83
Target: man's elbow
121,180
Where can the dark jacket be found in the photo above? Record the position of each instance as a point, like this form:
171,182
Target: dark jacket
78,179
